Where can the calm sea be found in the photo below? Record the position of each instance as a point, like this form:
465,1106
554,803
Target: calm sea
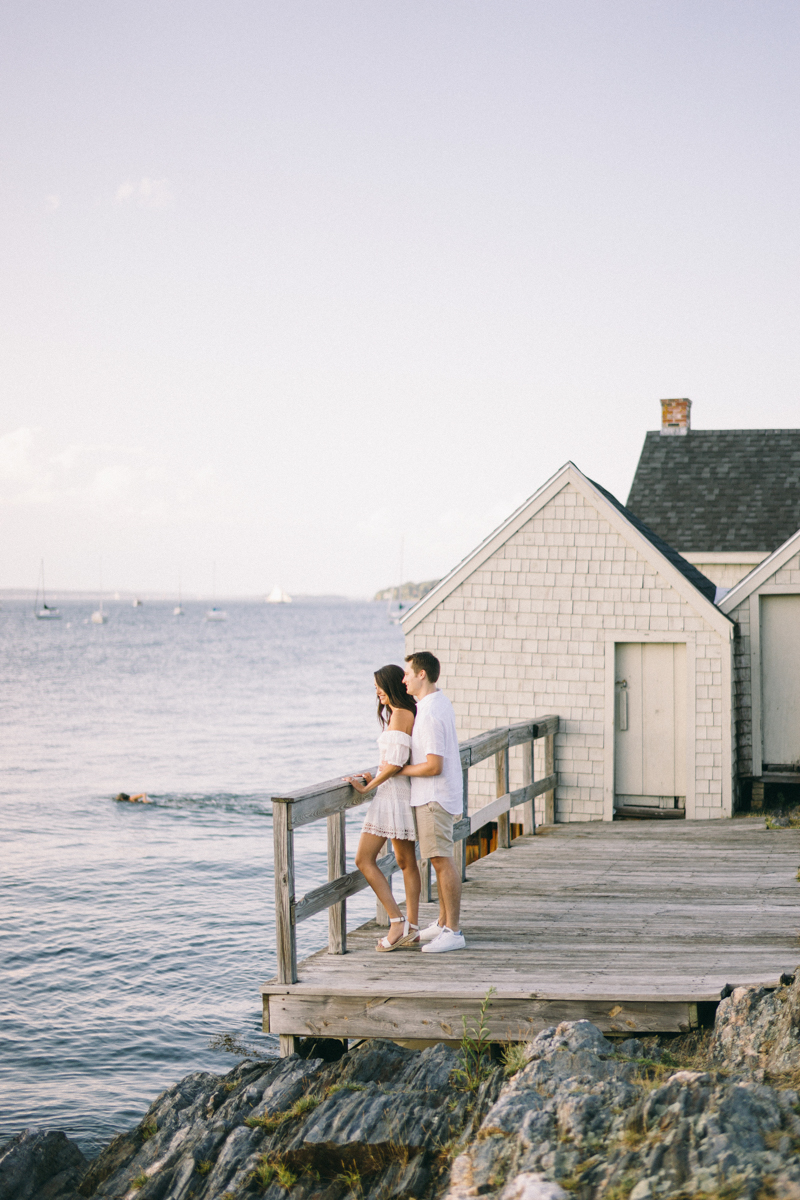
133,935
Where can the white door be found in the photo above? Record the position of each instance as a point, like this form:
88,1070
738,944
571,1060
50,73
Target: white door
650,735
780,681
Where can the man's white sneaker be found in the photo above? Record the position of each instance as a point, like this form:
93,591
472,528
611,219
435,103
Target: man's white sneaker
447,940
430,932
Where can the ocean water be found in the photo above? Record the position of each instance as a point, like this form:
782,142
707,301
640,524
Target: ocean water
133,935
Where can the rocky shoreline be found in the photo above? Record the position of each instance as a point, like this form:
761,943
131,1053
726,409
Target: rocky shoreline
571,1114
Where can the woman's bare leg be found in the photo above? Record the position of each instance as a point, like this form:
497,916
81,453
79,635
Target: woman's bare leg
369,846
406,855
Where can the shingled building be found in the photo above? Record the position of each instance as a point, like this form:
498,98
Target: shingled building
724,498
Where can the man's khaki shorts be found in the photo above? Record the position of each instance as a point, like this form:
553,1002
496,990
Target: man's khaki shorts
434,829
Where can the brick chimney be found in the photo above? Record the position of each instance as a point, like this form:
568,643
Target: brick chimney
675,417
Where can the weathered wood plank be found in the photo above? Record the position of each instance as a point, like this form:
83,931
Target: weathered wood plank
521,732
338,889
546,726
322,800
542,785
283,842
501,771
389,1016
486,744
337,868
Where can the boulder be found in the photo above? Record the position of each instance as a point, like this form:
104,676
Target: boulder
40,1165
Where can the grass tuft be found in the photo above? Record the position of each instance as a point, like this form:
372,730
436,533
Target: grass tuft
139,1181
272,1121
204,1167
514,1058
351,1178
149,1129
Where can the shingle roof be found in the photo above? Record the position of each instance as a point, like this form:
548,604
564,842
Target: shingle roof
719,490
695,577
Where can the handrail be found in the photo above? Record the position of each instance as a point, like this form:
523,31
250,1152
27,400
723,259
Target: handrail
333,798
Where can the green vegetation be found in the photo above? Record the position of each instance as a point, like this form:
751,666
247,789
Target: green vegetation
351,1178
514,1058
271,1121
475,1051
148,1129
139,1181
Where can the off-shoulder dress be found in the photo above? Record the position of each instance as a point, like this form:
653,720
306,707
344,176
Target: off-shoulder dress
389,815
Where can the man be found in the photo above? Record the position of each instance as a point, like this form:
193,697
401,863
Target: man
437,795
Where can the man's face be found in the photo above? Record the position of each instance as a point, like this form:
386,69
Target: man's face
414,683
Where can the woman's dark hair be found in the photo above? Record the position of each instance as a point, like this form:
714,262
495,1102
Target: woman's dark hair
390,680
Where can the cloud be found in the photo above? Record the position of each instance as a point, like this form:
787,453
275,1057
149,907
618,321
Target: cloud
52,202
113,482
147,193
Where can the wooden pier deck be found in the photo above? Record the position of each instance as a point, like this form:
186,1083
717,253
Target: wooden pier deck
632,925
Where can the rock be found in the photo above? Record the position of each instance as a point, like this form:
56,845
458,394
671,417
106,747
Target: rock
40,1165
529,1186
582,1118
759,1030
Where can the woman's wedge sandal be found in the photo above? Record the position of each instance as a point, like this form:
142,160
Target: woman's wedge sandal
406,940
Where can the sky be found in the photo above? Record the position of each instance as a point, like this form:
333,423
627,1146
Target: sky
284,286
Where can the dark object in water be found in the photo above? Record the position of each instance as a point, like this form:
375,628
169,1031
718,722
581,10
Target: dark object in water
141,798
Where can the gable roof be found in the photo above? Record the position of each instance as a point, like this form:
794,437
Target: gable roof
719,490
760,574
686,579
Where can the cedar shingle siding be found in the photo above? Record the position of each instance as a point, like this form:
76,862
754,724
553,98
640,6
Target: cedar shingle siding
718,490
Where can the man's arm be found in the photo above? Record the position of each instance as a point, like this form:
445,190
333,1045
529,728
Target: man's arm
433,765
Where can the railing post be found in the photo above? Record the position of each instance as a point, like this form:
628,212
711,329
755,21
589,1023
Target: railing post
532,816
501,780
381,915
337,865
285,934
549,769
462,845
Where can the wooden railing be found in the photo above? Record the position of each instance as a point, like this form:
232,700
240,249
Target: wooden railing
331,800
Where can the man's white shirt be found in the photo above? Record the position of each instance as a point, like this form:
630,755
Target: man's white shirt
434,732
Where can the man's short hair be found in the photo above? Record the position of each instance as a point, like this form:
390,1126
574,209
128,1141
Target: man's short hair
423,660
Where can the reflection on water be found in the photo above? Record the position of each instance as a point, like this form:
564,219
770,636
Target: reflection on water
133,934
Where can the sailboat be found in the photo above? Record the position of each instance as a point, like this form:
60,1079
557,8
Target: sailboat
178,609
278,596
99,617
45,611
136,602
214,613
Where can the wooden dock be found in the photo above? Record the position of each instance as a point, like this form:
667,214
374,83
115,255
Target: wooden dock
633,925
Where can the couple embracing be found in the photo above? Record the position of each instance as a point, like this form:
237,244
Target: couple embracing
418,795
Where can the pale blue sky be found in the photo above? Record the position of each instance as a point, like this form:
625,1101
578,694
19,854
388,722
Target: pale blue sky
283,282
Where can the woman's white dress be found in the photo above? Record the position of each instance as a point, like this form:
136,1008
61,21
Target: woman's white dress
389,815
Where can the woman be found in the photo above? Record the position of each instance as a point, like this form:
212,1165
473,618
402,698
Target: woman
389,815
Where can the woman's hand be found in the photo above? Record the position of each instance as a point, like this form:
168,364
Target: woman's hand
356,782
